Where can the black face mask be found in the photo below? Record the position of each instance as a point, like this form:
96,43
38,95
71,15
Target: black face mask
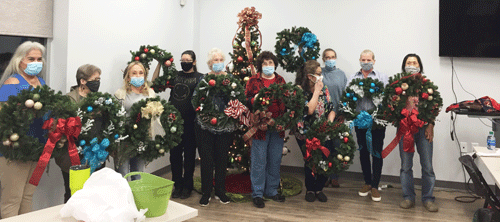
93,85
186,66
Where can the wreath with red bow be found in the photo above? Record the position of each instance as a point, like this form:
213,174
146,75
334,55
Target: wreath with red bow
319,158
410,102
220,85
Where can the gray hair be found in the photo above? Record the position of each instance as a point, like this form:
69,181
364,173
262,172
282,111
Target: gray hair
21,51
367,51
211,55
85,72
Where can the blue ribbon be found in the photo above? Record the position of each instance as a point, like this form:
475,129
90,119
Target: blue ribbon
365,121
95,153
308,39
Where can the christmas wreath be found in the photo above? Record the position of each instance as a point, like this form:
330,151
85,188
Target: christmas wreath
410,102
289,41
146,54
290,96
154,127
318,158
105,108
225,85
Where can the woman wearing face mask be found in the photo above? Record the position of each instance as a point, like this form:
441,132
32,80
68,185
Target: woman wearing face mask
214,141
318,105
423,140
267,146
372,178
134,90
21,73
88,78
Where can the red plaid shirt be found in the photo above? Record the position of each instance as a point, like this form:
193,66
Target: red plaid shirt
254,84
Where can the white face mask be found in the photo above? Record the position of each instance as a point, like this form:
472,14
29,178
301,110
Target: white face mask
318,78
412,69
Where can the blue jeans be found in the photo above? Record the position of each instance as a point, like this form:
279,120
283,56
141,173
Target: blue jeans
133,164
424,149
265,162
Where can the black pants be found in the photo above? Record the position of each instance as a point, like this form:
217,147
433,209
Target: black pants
67,190
317,181
178,162
213,150
378,135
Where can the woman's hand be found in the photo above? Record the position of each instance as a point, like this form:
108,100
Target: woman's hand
318,86
331,116
429,132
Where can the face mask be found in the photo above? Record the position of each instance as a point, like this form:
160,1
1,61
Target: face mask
268,70
33,68
186,66
218,67
137,81
366,65
331,63
318,78
412,69
93,85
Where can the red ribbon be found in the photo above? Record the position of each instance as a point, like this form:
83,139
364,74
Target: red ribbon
70,127
315,144
258,121
249,17
236,109
407,127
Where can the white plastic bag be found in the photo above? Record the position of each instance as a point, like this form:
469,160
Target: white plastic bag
106,196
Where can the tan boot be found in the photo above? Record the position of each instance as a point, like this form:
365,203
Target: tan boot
376,195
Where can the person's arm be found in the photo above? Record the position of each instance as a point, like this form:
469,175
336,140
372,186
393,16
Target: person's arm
331,116
314,100
429,132
156,73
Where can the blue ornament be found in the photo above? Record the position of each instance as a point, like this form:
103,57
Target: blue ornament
89,108
82,142
360,83
354,99
372,84
372,90
314,57
117,136
348,94
283,49
345,104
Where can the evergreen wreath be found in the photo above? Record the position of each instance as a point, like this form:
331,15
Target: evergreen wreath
106,108
289,41
146,54
138,127
363,88
19,112
291,96
225,85
320,131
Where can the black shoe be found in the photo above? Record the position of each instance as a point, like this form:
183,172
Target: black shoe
277,198
205,198
176,193
321,196
310,196
223,198
259,202
186,193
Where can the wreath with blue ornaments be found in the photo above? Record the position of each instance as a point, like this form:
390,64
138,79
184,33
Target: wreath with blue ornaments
299,40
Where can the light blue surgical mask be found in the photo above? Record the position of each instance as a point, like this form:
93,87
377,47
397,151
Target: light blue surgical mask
137,81
218,67
268,70
366,65
33,68
330,63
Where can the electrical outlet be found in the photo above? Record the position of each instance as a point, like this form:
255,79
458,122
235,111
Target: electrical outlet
463,147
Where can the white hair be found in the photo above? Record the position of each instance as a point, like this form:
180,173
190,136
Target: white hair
21,51
211,55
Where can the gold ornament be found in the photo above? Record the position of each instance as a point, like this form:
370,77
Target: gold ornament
404,86
15,144
246,79
143,55
347,158
38,106
430,91
404,93
14,137
6,143
340,157
152,51
135,126
29,103
161,151
430,98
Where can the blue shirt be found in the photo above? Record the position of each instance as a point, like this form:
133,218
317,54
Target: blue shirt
366,103
336,81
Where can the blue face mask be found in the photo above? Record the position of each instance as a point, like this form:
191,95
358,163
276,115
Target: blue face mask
330,63
218,67
33,68
137,81
268,70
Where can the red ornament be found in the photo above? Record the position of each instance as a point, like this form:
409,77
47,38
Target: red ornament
198,109
240,59
136,58
398,90
263,103
138,118
425,96
146,50
346,139
171,59
424,80
213,121
168,82
168,63
330,165
202,98
211,82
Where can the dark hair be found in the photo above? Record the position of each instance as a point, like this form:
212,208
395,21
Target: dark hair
328,50
193,56
301,78
85,72
266,55
418,59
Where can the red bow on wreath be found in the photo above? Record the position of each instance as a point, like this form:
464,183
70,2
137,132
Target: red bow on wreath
408,126
315,144
70,127
258,121
236,109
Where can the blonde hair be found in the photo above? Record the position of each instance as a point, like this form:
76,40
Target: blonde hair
211,55
126,73
21,52
367,51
